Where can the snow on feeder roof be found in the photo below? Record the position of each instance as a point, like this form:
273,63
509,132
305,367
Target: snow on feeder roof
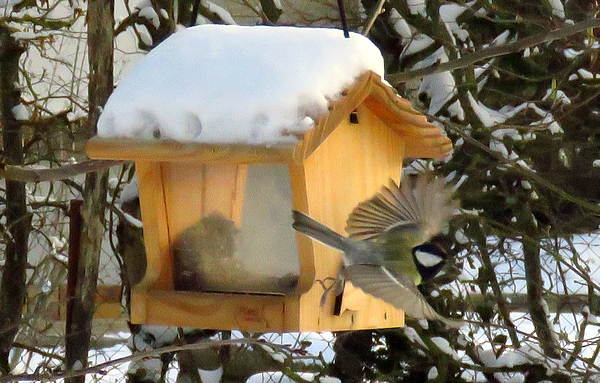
250,123
237,84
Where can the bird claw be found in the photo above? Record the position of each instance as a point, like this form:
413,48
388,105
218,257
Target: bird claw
337,286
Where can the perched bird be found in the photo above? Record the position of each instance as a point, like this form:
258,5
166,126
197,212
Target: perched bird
387,253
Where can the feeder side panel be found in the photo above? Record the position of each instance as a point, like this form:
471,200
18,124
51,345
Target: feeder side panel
139,305
348,167
305,249
183,184
156,235
156,231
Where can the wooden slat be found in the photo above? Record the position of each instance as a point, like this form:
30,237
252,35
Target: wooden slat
391,107
156,232
427,147
215,310
183,185
107,301
143,150
305,249
156,235
194,190
109,310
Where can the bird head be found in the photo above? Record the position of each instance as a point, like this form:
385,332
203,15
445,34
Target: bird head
429,259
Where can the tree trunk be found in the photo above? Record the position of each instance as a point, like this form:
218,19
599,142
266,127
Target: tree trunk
13,288
100,20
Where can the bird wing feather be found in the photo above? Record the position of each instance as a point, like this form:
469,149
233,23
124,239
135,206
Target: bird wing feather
422,205
397,289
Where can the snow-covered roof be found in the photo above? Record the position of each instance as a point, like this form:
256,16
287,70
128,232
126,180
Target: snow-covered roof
421,138
237,84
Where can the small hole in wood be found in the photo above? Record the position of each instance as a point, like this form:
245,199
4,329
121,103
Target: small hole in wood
384,316
354,118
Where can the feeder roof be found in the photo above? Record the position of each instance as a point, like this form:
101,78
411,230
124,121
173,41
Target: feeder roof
422,139
249,94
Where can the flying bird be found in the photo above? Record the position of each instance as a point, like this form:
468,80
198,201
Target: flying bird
387,252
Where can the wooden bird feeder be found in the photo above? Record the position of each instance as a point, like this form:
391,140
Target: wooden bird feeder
349,154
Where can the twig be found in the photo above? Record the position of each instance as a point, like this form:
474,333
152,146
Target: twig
374,16
258,11
500,298
37,350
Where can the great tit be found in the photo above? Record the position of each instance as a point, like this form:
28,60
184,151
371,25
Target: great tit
387,253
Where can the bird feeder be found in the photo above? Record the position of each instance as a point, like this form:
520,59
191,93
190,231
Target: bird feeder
217,210
353,150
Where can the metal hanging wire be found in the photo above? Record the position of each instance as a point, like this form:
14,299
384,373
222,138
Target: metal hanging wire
342,10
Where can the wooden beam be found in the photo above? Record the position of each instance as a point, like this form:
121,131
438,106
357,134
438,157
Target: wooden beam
172,151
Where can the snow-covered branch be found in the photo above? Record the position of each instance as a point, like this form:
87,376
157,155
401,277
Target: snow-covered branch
495,51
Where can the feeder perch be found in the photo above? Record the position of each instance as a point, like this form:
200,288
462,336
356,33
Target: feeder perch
231,203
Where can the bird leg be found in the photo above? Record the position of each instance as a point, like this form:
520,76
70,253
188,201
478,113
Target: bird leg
337,285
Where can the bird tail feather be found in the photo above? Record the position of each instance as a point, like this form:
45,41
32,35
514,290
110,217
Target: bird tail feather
318,231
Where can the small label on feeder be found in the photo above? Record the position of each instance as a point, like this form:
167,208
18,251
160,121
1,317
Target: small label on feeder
246,315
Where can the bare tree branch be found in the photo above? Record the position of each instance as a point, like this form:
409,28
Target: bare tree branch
99,368
535,291
373,17
503,308
32,174
13,289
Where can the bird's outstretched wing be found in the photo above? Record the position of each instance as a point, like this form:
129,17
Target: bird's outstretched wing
397,289
420,205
